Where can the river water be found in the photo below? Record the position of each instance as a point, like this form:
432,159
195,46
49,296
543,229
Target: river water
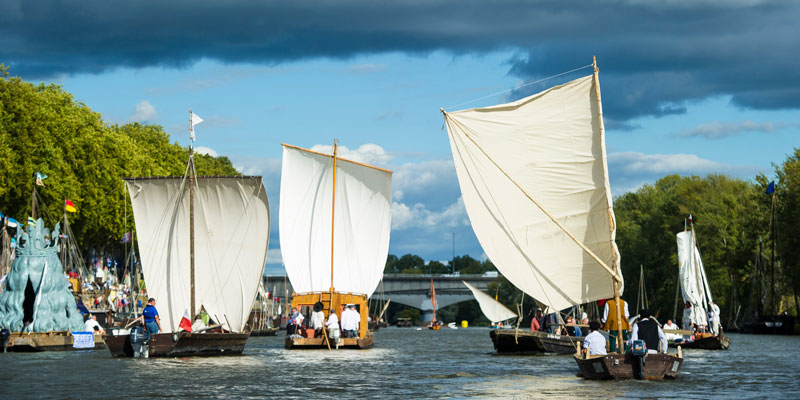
405,363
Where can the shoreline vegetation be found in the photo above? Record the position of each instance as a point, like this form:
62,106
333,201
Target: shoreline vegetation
44,129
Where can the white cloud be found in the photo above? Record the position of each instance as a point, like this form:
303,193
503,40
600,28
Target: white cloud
630,170
720,130
419,216
366,153
206,150
143,112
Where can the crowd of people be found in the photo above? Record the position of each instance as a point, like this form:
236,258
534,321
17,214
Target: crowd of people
348,327
552,323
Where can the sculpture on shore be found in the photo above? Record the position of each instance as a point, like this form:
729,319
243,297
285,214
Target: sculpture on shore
37,298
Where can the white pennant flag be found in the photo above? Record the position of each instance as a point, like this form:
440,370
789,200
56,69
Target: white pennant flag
195,120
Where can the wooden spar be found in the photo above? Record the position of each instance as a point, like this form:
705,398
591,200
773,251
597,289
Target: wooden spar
617,280
191,219
333,207
339,158
772,258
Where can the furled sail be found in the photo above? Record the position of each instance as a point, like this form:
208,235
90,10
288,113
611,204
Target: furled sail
692,274
492,309
362,215
549,146
231,240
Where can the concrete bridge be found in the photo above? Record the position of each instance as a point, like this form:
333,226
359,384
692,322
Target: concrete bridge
413,290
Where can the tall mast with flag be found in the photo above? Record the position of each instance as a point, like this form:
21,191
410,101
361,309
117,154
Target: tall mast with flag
194,119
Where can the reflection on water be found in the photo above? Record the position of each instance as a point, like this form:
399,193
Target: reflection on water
404,364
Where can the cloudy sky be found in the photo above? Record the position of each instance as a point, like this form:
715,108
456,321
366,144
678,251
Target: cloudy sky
689,86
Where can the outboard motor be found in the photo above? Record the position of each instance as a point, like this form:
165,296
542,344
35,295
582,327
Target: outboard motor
639,353
139,339
5,334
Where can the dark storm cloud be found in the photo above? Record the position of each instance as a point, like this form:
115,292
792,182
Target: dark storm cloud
654,56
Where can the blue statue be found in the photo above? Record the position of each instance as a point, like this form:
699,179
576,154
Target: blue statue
36,297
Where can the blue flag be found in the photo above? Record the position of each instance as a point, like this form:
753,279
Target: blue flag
770,188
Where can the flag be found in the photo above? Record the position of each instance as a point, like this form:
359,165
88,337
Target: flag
12,223
69,206
195,120
39,178
770,188
126,238
691,221
186,322
31,221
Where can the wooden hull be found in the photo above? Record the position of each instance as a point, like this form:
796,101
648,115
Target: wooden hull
616,366
720,342
187,344
319,343
510,341
46,341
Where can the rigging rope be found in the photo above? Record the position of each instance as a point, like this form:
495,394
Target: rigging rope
520,86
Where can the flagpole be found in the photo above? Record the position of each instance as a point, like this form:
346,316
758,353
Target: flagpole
33,198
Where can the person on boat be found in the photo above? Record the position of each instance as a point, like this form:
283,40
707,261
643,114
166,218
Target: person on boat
714,322
295,322
688,317
333,327
351,319
611,324
672,326
93,326
536,321
572,328
317,319
150,317
647,329
595,342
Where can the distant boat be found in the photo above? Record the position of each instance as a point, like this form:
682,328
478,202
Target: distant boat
326,197
434,324
696,290
534,180
203,242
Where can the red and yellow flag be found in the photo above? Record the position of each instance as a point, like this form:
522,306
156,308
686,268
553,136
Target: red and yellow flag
69,206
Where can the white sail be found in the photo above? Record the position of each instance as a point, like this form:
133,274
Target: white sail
551,146
694,286
362,222
492,309
231,240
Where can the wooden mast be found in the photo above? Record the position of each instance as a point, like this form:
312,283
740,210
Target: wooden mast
191,215
333,210
700,290
614,266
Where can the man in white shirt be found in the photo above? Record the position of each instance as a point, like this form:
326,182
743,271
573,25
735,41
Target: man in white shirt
317,319
333,327
350,321
672,326
650,332
93,326
595,342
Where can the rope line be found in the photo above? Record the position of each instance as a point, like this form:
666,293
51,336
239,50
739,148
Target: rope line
520,86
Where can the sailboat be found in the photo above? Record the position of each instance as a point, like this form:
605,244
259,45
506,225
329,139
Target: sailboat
534,180
335,220
696,291
203,243
434,324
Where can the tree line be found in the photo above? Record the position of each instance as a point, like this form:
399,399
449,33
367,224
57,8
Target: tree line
44,129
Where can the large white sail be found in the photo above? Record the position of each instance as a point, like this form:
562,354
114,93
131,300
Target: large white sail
492,309
692,274
362,220
551,146
231,240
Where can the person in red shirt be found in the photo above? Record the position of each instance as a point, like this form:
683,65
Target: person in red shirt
536,322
